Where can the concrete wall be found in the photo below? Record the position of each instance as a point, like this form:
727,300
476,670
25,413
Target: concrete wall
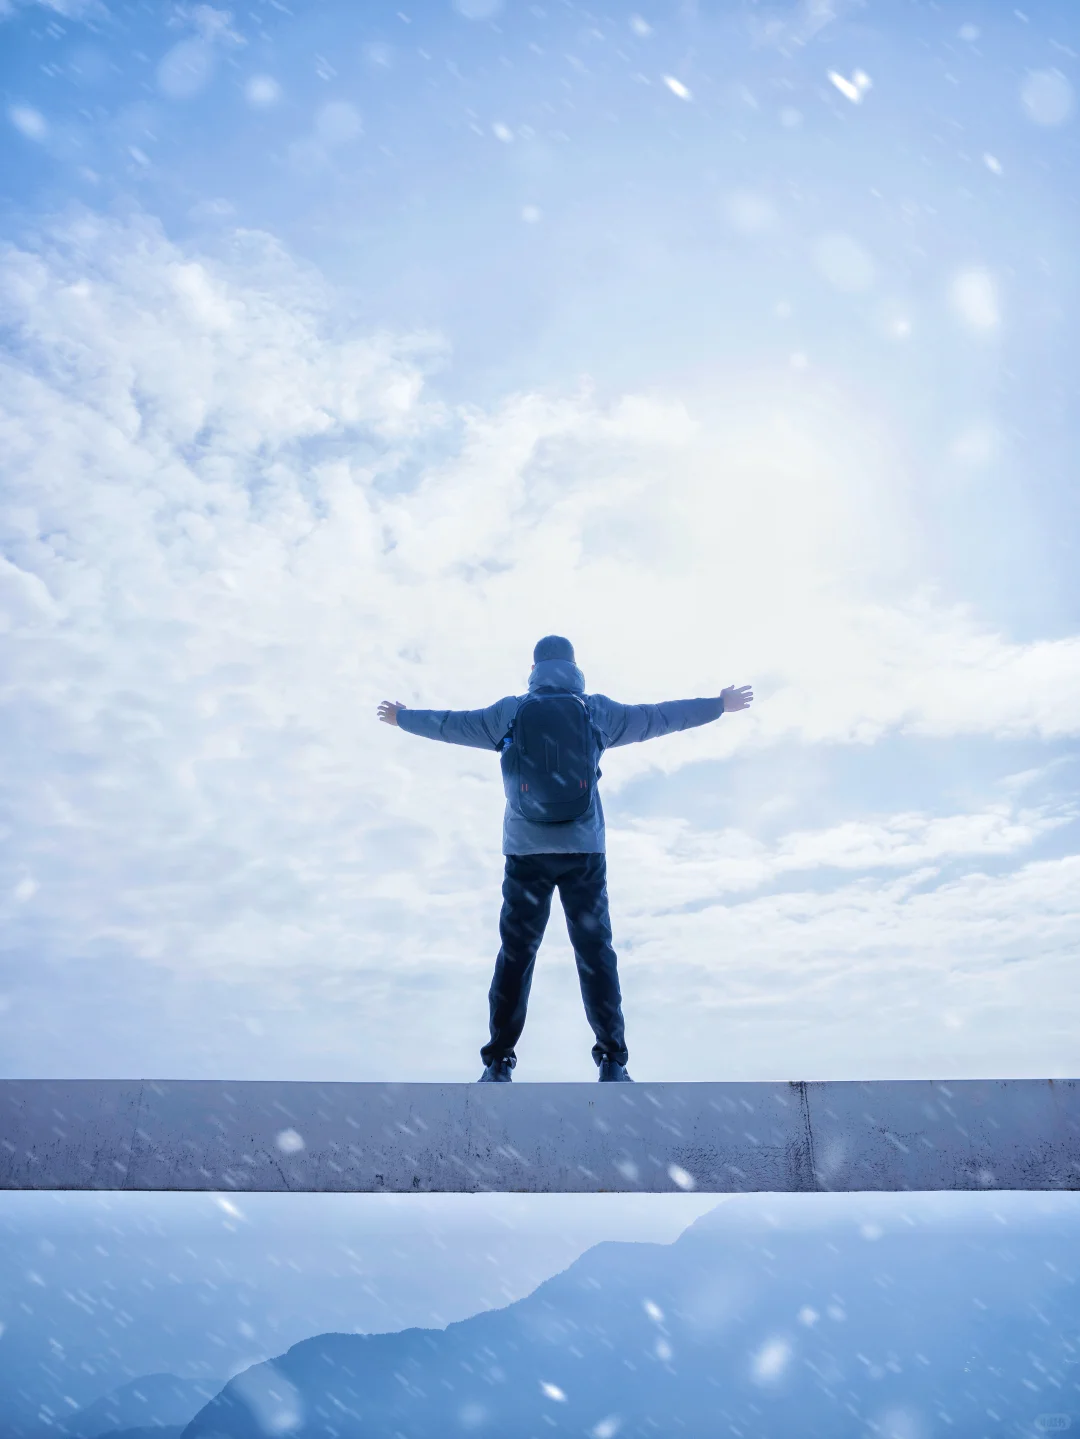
543,1138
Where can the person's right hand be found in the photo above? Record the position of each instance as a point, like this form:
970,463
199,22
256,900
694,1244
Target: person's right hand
737,699
388,711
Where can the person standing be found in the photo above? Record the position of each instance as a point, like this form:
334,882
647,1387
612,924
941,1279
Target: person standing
550,741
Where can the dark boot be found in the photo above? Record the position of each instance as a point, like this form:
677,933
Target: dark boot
612,1072
499,1071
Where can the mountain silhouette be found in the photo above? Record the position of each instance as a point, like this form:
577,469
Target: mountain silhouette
740,1327
150,1431
161,1403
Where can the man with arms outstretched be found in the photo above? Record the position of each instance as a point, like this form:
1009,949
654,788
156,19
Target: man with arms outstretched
550,741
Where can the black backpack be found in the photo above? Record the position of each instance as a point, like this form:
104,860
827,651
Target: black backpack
550,758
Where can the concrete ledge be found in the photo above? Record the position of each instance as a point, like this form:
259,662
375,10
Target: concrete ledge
539,1138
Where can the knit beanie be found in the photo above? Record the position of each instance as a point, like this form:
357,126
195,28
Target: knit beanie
553,647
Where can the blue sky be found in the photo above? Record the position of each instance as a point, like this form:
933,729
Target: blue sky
348,349
344,351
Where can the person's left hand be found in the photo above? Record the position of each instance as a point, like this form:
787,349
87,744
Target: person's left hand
388,711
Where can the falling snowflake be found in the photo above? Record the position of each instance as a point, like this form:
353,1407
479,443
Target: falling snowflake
1047,97
677,87
853,89
262,91
28,122
289,1142
679,1176
975,299
552,1391
771,1360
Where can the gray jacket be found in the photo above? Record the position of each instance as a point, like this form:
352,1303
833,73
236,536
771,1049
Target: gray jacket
615,723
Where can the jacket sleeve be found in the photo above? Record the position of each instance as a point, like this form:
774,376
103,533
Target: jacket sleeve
483,729
628,724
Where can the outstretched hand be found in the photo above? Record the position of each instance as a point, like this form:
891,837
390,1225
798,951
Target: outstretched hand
739,698
388,711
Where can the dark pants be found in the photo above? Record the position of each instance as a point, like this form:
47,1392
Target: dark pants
527,888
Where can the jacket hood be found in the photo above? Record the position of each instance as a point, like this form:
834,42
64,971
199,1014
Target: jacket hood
556,675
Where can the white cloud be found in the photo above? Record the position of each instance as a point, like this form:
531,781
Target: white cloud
913,976
231,527
689,863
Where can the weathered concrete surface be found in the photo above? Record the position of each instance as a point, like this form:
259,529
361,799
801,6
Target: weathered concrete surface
542,1138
